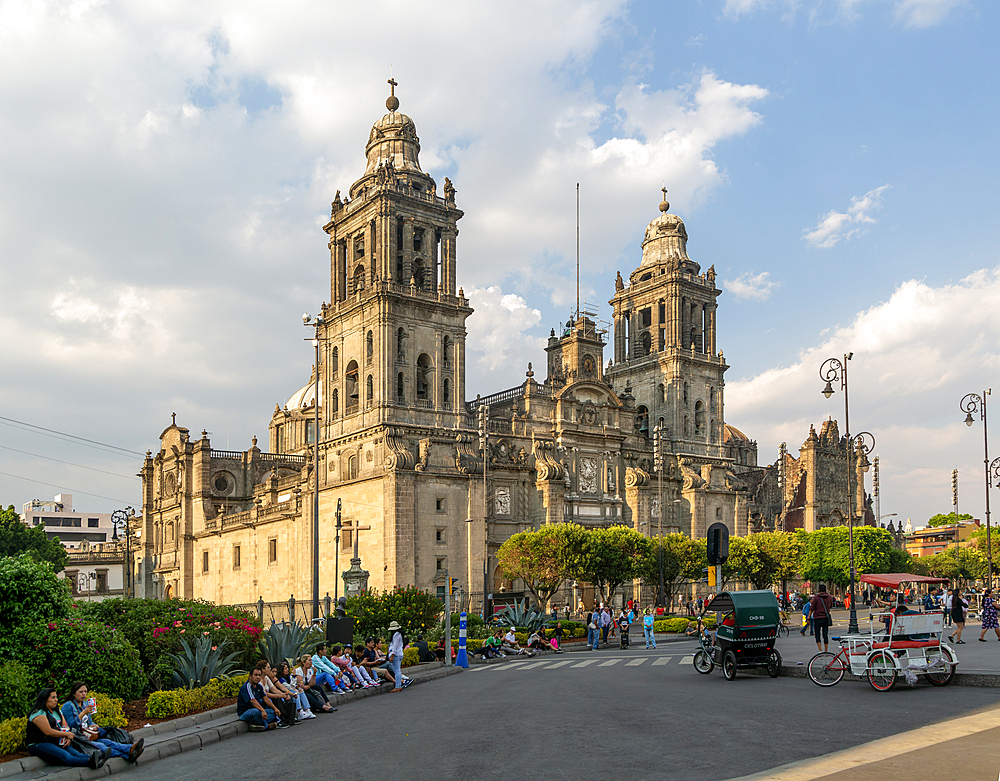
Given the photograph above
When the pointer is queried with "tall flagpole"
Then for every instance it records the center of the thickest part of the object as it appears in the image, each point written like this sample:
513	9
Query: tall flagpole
577	250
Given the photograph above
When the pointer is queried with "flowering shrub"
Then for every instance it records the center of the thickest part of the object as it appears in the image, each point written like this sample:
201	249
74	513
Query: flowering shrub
156	627
177	702
415	610
70	649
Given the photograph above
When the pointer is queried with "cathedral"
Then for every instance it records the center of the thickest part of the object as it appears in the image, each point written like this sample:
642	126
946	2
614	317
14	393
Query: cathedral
417	483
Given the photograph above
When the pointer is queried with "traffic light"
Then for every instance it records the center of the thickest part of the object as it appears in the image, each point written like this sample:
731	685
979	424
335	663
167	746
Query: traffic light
452	585
704	573
711	577
718	543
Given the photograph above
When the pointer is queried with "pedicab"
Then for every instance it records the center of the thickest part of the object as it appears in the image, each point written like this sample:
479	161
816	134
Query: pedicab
746	636
897	644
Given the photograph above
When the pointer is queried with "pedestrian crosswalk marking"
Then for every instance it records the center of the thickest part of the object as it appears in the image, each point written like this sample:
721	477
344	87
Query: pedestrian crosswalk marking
532	666
635	662
661	660
687	660
609	663
558	664
584	664
514	666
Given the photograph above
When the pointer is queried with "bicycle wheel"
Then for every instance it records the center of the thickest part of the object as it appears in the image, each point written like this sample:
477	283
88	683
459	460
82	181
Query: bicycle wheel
703	662
774	664
943	678
729	665
826	669
782	630
882	671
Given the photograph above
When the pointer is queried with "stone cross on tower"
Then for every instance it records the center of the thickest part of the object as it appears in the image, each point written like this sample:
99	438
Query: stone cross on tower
392	102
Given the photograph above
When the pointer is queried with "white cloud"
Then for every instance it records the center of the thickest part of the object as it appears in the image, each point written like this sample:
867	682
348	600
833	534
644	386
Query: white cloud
755	287
835	226
926	13
910	13
499	341
915	356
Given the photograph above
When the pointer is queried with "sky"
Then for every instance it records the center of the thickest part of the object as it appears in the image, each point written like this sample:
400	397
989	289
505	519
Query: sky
166	170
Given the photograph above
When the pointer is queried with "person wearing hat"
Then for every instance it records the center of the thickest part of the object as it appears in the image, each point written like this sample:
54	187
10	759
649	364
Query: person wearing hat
396	656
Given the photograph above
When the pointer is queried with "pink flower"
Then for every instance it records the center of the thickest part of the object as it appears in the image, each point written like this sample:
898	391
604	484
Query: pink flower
183	631
204	633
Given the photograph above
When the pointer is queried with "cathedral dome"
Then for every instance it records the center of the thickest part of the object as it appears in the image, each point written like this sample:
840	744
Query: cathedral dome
665	241
393	141
304	397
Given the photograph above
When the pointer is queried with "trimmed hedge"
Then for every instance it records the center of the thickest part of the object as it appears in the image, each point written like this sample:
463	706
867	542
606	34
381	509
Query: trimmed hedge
411	656
179	702
12	734
110	711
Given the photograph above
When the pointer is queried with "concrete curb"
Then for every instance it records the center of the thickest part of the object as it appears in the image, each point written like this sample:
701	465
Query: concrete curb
960	679
194	740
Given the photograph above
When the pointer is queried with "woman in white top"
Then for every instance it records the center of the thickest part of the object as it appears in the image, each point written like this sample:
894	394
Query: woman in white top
288	680
305	679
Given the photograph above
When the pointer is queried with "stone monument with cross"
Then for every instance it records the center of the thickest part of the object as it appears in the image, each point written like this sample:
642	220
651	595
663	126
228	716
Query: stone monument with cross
355	578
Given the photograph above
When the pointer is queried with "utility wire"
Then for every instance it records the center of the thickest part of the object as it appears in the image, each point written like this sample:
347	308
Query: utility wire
63	435
69	463
63	488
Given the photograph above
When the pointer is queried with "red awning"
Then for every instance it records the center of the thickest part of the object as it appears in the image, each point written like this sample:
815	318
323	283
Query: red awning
893	579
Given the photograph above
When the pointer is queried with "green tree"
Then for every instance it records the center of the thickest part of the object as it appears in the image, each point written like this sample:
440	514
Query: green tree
963	564
16	538
607	557
943	519
30	594
683	561
826	553
538	558
765	558
901	561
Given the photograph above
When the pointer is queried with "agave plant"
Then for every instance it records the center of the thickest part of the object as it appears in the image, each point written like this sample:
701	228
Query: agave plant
516	615
285	641
194	667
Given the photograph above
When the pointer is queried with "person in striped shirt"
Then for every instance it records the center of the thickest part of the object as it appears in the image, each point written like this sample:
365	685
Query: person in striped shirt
254	707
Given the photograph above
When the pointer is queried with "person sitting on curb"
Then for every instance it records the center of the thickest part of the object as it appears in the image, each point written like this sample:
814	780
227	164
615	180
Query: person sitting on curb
305	679
491	646
328	673
691	630
254	707
424	653
285	678
373	664
356	657
537	641
50	739
77	713
511	646
278	694
343	660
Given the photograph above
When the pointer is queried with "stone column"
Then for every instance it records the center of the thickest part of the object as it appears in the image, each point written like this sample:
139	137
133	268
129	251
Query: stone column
334	272
448	239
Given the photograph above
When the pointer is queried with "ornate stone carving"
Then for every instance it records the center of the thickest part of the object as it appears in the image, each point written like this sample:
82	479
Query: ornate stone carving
425	452
399	457
635	477
502	501
546	466
690	477
467	460
588	475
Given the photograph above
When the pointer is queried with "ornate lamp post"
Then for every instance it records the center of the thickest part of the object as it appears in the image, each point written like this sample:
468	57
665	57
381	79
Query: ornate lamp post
317	323
835	370
120	520
973	402
658	436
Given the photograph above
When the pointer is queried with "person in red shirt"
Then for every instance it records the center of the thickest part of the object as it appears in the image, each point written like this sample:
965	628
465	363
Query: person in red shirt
820	607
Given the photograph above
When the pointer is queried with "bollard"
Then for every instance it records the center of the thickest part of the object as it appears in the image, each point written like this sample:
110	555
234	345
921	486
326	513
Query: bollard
462	659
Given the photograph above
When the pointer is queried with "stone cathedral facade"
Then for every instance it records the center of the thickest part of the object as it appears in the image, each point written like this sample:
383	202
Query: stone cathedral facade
398	445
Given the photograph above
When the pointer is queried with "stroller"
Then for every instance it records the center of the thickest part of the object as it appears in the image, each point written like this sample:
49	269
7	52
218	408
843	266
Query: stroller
623	631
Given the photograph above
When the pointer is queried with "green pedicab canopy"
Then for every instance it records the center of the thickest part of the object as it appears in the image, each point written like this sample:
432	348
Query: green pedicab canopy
751	607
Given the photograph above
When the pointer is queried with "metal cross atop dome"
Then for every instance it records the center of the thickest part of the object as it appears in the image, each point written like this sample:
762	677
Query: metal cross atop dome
392	102
664	204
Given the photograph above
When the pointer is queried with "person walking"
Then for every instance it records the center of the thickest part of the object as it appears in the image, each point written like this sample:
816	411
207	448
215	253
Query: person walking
989	616
647	628
593	629
605	625
395	657
958	606
806	620
820	609
946	605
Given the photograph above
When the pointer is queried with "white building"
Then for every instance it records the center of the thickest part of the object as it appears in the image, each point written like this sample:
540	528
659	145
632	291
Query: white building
96	562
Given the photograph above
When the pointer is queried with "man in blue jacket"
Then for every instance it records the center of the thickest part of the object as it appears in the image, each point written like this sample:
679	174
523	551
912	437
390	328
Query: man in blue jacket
806	607
253	705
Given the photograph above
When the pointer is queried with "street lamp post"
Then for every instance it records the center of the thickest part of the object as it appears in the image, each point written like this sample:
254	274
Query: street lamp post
120	519
484	439
973	402
317	323
835	370
658	435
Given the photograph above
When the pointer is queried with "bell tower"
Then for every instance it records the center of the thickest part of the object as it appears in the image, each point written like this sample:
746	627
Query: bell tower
395	326
665	345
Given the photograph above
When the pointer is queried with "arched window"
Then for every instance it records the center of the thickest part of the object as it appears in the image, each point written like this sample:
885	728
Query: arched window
423	375
335	361
369	346
699	418
401	346
663	393
335	403
351	389
400	394
642	420
358	280
446	352
446	392
369	391
662	425
711	400
352	467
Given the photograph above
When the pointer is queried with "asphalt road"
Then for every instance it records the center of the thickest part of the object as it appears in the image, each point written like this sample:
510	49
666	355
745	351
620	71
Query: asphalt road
646	715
